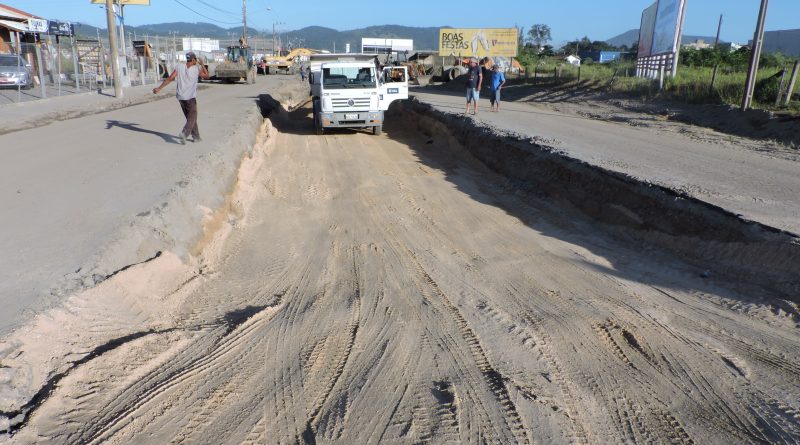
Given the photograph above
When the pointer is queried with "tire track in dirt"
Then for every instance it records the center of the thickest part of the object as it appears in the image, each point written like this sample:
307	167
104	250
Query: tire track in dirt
380	292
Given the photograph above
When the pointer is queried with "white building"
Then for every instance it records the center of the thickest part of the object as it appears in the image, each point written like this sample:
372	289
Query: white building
203	44
573	60
383	46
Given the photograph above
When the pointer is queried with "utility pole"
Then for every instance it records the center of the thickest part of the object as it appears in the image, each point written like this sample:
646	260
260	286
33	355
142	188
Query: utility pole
755	55
716	43
112	42
719	28
122	28
273	39
244	22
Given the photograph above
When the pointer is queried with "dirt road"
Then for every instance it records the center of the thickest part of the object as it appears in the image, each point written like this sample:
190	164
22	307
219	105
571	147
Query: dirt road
391	289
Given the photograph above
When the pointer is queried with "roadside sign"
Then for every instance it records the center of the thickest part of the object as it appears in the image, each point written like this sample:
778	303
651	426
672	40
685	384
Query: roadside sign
478	42
37	25
646	30
60	28
668	21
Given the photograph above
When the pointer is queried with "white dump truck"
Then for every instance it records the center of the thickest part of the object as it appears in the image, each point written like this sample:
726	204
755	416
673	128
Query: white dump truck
349	91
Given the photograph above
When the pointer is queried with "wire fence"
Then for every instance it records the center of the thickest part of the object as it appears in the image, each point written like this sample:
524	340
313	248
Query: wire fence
62	66
777	87
58	66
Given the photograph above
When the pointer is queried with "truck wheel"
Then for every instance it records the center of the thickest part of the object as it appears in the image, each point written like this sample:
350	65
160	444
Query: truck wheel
318	128
377	130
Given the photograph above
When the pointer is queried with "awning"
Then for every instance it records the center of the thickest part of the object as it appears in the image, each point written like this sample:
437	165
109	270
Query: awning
7	11
14	26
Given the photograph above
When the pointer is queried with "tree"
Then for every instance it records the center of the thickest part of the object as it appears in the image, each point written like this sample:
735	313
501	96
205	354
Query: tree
520	36
539	34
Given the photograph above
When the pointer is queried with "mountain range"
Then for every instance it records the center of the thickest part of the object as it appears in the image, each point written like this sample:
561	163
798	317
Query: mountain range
317	37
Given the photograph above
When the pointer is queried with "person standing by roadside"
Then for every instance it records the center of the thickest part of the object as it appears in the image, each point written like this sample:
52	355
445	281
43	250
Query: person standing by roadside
187	75
498	80
474	84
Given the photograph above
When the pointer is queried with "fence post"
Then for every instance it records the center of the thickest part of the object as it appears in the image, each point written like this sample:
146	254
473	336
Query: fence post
792	80
38	47
713	78
75	62
781	87
579	73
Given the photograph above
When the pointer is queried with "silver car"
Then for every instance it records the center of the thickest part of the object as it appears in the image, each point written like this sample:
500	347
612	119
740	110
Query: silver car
15	71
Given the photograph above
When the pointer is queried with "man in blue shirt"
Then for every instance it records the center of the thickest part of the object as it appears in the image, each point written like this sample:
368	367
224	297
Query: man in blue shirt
498	80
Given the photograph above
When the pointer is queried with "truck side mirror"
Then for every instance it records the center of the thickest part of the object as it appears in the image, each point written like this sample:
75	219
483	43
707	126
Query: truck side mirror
311	78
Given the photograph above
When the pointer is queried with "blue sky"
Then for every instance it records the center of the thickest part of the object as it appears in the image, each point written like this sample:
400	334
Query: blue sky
569	19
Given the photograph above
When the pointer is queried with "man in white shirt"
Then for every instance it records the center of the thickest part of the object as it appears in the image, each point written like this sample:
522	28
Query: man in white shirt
187	75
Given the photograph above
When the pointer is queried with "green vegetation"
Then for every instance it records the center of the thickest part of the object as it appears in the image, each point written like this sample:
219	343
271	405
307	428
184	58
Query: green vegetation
691	85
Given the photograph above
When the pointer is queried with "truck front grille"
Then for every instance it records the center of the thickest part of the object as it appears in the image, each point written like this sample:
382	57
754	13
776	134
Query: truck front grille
359	103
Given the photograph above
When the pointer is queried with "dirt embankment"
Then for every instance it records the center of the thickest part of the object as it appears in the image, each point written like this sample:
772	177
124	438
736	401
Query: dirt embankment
718	241
127	290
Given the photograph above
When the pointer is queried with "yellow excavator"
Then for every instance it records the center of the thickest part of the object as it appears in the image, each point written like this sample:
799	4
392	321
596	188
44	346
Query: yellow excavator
286	64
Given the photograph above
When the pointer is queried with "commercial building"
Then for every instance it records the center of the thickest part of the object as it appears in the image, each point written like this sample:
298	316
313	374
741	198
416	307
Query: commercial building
371	45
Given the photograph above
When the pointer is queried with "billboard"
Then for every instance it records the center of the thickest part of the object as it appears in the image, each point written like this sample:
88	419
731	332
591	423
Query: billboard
60	28
37	25
478	42
665	31
646	30
123	2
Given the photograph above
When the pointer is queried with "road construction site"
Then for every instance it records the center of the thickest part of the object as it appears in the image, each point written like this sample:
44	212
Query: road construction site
525	276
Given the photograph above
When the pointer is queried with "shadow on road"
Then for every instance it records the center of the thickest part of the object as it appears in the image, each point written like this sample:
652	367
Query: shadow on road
131	126
585	206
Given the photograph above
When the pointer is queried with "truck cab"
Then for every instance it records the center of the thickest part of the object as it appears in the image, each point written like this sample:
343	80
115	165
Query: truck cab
349	91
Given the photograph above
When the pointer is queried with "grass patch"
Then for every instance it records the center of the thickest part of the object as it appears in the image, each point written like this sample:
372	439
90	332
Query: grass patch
691	85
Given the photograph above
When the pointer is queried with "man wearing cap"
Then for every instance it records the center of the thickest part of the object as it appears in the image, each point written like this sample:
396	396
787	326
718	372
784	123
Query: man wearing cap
474	83
187	75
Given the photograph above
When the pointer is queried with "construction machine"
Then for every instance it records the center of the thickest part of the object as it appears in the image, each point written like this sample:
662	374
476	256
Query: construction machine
286	64
238	65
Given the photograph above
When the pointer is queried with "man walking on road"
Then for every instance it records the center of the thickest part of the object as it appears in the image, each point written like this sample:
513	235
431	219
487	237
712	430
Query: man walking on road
474	84
187	75
498	80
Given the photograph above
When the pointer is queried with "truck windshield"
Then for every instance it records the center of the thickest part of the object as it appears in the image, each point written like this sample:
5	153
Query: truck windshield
348	77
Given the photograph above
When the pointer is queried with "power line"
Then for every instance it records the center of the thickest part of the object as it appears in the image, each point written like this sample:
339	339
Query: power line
217	9
205	16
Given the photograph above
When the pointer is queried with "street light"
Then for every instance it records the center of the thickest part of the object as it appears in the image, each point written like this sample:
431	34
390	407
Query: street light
275	53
